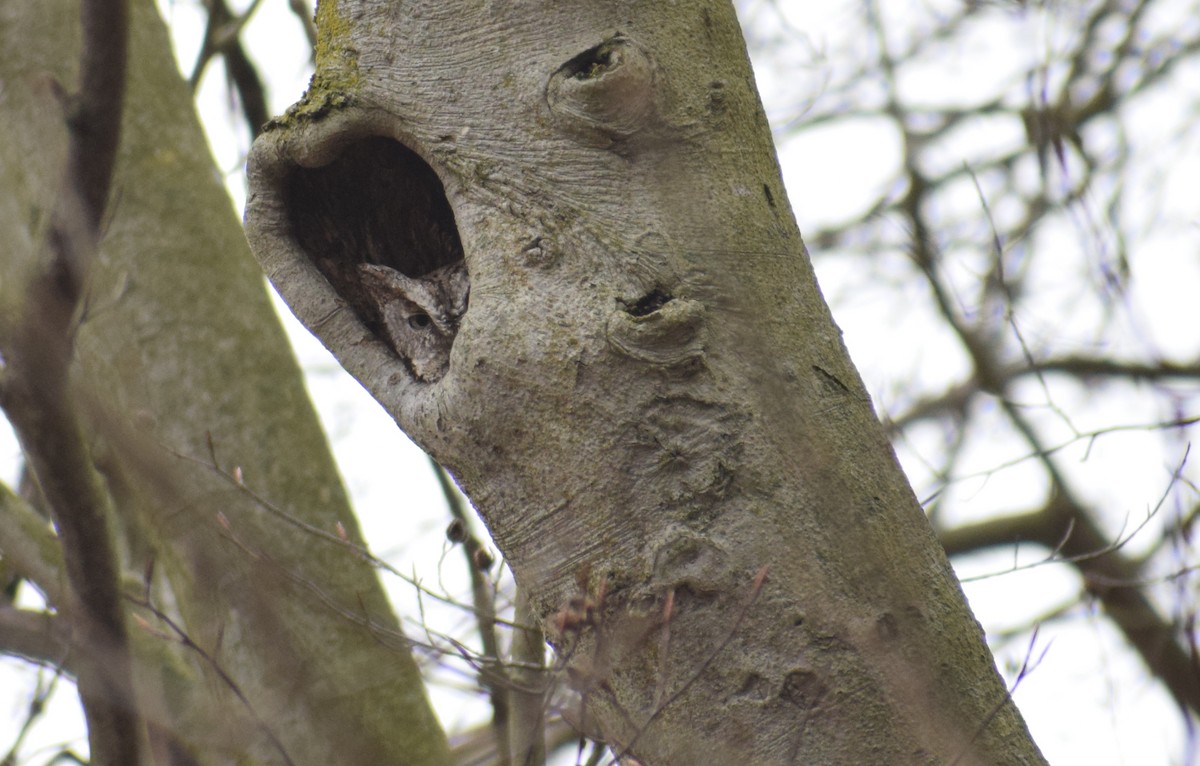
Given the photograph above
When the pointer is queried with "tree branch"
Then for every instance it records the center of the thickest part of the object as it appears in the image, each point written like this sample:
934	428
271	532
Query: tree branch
483	597
96	122
223	36
37	397
1065	528
30	546
39	637
527	695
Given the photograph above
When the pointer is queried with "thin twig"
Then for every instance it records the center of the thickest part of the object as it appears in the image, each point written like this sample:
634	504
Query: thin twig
483	597
184	639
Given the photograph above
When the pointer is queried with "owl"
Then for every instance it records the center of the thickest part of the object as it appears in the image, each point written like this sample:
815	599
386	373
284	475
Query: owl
420	315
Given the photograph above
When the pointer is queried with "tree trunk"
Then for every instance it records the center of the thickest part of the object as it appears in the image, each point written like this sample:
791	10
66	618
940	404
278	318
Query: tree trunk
647	399
281	647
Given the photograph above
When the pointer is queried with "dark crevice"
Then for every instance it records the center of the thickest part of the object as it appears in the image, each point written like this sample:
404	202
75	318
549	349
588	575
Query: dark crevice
594	61
379	203
377	224
649	303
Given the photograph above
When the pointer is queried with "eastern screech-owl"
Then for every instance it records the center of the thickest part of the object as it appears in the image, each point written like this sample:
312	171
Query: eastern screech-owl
419	314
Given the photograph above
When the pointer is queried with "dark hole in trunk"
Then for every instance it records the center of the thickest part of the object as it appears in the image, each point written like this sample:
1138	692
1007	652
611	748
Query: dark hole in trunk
377	225
377	203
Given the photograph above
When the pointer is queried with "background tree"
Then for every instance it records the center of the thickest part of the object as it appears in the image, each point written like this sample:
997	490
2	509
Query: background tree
1030	225
158	405
946	426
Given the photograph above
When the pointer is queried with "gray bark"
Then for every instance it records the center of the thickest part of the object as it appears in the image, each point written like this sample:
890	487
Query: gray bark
647	399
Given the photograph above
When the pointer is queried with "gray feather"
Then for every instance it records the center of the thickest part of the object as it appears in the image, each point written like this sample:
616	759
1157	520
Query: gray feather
420	315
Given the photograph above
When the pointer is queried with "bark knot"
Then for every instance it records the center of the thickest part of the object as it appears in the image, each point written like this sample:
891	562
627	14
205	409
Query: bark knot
658	328
608	91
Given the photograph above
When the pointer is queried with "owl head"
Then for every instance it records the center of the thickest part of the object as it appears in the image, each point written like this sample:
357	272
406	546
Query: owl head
419	314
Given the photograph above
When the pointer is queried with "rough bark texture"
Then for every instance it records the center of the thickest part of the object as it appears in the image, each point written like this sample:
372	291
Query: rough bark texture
226	503
647	399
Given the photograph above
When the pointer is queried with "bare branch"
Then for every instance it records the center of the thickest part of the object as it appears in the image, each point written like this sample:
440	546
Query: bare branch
527	696
181	635
38	401
96	122
39	637
483	597
222	37
30	546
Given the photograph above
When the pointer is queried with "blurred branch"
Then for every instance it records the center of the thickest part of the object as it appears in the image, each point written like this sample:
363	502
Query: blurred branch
38	402
483	597
477	747
1085	545
37	706
39	637
178	634
1065	528
999	532
30	546
95	120
953	402
222	36
527	695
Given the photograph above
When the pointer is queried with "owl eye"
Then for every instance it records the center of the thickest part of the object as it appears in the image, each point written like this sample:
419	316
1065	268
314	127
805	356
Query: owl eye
419	321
